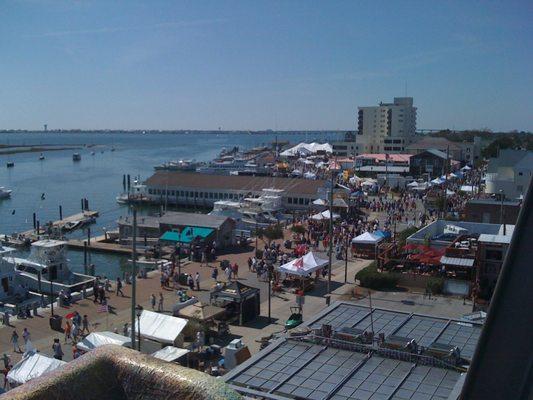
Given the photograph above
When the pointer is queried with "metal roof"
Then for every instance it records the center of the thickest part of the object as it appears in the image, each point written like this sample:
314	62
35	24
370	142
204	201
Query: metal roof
486	238
460	262
290	368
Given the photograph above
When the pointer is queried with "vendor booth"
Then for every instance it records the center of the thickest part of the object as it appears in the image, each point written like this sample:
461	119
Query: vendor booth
299	271
366	244
97	339
324	215
162	328
171	354
240	301
32	365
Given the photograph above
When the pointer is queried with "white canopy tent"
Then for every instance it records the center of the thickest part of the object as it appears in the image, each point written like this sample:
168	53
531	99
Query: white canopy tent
449	192
320	202
32	366
468	188
307	148
97	339
413	184
466	168
160	327
324	215
303	266
309	175
367	238
170	353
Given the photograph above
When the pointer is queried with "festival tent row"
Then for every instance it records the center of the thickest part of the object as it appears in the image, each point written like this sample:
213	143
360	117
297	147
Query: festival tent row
97	339
307	149
366	243
303	266
32	365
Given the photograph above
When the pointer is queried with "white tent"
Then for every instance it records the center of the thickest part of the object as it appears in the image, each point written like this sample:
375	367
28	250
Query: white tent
320	202
466	168
160	327
412	184
309	175
307	148
97	339
170	353
303	266
449	192
324	215
367	238
32	366
354	179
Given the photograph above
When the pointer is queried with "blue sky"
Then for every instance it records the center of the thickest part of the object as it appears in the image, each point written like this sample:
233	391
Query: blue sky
263	64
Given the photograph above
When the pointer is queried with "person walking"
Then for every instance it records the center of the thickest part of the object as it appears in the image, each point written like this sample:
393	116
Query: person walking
58	351
227	271
152	301
15	341
26	335
197	281
119	287
236	271
7	360
68	331
160	303
214	274
190	282
85	325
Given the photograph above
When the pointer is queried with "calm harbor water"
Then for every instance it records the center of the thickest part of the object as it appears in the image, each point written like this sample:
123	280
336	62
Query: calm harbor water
98	177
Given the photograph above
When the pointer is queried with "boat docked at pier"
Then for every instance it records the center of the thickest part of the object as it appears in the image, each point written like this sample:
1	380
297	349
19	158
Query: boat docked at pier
252	212
12	290
178	165
136	194
5	193
47	268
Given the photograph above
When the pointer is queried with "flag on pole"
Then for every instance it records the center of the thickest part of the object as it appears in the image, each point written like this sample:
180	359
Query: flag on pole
103	308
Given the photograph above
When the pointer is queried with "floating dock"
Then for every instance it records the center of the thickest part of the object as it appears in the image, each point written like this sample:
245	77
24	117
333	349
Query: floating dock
101	244
23	239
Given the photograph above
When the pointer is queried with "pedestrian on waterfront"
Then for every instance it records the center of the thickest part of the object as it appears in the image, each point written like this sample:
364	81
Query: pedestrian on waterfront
95	291
15	341
152	301
160	304
85	325
125	329
197	281
26	335
7	360
58	351
77	318
75	352
250	264
68	331
75	333
214	274
236	271
227	271
107	284
119	287
102	294
190	281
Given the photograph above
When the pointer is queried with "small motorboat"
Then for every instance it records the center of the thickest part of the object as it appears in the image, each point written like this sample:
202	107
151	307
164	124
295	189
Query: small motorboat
76	157
41	157
92	153
72	225
5	193
10	164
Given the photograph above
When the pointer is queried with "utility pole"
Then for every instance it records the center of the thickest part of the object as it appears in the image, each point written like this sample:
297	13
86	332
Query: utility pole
330	233
346	259
133	276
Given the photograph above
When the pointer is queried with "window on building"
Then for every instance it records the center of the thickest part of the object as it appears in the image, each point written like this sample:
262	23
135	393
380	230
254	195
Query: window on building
301	201
520	173
289	200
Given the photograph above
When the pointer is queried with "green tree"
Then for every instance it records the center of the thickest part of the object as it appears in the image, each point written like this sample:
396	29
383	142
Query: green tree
271	232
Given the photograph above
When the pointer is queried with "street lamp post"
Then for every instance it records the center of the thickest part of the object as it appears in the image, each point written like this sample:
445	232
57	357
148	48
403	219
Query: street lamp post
138	312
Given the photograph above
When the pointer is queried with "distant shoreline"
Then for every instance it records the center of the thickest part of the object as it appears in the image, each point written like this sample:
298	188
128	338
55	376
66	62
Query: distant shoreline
179	132
14	149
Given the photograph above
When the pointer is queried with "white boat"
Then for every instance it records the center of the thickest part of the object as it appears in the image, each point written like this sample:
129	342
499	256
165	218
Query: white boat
10	288
137	194
41	157
76	157
47	268
178	165
5	193
252	211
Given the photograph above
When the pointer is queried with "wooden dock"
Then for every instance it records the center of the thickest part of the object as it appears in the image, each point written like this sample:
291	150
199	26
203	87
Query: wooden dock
100	244
25	238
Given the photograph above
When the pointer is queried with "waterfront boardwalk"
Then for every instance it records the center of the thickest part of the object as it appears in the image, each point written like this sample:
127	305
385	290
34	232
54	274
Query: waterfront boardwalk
42	336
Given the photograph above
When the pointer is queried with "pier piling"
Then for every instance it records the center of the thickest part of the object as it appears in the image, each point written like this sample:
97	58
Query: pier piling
60	212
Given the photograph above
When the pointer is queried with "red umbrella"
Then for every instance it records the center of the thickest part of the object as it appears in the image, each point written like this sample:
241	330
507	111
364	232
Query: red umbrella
70	315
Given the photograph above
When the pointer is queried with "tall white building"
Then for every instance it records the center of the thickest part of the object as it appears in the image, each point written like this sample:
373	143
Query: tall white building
387	128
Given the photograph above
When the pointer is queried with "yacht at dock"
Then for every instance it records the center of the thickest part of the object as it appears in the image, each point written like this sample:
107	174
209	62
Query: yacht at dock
47	267
5	193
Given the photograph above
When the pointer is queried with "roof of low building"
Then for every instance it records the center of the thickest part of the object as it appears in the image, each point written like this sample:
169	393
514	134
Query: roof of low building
435	142
194	180
457	261
192	220
501	239
187	235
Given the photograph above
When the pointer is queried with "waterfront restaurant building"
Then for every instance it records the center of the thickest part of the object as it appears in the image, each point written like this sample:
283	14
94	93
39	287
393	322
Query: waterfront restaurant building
202	190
